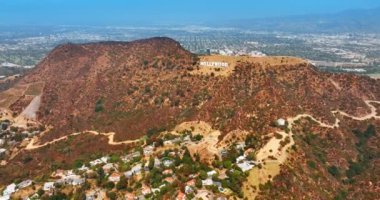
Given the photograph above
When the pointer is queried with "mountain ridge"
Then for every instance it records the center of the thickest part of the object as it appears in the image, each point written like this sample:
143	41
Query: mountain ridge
143	89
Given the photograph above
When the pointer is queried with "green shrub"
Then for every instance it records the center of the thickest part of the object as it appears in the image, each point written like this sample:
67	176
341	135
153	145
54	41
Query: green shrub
333	170
311	164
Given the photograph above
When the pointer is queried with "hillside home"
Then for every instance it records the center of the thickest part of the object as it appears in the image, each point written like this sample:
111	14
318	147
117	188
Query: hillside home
167	163
10	189
180	196
129	196
145	190
148	150
109	167
169	179
48	186
281	122
115	177
24	184
207	182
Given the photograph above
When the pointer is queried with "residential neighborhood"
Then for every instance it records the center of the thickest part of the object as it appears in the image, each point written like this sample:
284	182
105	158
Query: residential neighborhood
159	169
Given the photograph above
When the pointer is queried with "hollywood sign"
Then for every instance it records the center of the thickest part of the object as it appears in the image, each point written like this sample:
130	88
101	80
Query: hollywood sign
214	64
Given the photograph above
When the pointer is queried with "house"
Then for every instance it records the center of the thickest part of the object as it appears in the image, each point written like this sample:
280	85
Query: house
167	172
10	189
211	173
83	168
187	138
157	162
191	182
180	196
223	152
281	122
99	161
48	186
129	196
2	151
167	163
109	167
5	197
77	181
96	194
148	150
2	142
169	179
125	158
176	140
135	154
95	162
207	182
245	165
24	184
188	189
59	173
145	190
240	145
168	143
115	177
135	170
71	179
240	159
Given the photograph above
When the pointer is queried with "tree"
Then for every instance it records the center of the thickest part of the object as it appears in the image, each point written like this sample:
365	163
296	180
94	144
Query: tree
198	183
77	164
122	184
101	174
151	163
110	185
111	195
202	175
227	164
333	170
99	106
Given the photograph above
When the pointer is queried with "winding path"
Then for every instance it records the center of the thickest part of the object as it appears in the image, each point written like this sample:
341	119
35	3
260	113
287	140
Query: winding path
272	155
111	141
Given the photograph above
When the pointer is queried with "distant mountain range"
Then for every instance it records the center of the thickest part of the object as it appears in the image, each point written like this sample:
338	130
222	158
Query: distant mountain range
364	20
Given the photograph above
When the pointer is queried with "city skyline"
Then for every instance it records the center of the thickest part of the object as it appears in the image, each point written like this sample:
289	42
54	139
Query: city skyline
165	12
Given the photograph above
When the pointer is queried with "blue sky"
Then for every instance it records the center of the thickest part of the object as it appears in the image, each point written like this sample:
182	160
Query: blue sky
124	12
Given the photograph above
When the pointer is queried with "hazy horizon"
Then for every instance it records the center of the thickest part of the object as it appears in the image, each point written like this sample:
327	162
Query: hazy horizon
165	12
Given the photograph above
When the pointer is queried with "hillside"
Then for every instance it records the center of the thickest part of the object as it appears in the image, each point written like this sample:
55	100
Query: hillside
119	92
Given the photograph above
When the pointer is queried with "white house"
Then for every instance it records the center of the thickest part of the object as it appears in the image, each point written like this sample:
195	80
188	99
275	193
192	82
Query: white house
73	180
281	122
5	197
188	189
10	189
99	161
83	168
167	163
109	166
24	184
211	173
2	151
148	150
48	186
246	165
240	145
207	182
